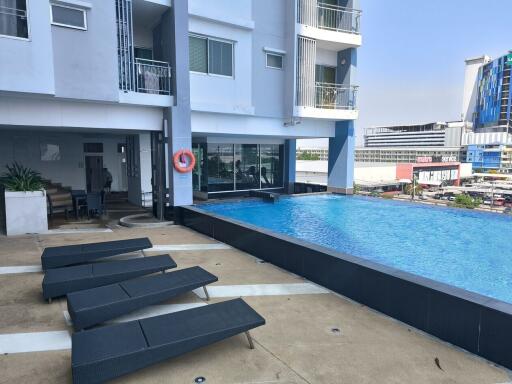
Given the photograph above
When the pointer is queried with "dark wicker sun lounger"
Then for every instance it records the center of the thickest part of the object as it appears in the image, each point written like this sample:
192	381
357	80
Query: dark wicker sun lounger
96	305
105	353
55	257
61	281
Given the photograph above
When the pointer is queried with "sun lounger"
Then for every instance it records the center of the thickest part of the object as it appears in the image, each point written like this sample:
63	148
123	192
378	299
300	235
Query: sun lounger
105	353
61	281
55	257
96	305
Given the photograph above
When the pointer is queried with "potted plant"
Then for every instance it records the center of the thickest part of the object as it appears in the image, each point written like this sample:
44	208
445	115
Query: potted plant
24	201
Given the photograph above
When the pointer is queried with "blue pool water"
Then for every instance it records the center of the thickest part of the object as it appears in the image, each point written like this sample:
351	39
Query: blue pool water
464	248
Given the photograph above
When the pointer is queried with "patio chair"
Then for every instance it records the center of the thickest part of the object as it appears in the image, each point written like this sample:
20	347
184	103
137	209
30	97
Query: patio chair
94	204
96	305
60	201
54	257
61	281
101	354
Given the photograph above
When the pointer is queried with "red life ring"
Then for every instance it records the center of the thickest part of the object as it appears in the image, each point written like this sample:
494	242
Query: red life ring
179	159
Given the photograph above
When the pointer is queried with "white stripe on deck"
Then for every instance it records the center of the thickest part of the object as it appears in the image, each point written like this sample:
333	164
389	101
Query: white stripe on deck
34	342
261	290
20	269
77	230
187	247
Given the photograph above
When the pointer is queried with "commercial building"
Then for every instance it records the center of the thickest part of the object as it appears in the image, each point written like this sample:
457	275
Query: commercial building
405	143
125	84
427	171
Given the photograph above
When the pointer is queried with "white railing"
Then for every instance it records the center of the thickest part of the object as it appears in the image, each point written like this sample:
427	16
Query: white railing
331	17
152	76
335	96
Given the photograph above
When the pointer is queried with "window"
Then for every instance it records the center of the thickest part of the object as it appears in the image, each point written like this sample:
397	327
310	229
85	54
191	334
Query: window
325	74
143	53
13	18
93	147
71	17
274	61
210	56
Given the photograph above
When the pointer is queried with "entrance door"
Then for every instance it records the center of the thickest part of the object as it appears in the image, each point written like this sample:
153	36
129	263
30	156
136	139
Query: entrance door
94	173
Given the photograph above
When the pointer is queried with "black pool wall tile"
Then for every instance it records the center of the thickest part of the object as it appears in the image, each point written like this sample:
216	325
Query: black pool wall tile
455	320
471	321
496	336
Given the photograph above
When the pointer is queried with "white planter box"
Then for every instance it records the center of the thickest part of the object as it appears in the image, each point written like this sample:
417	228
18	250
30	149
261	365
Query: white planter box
25	212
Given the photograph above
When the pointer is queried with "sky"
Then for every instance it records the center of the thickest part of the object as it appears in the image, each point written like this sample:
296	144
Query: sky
411	63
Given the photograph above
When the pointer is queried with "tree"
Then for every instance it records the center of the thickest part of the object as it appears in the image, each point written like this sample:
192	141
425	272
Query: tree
418	189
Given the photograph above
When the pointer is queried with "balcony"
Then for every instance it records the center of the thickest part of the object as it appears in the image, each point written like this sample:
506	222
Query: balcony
144	70
339	27
152	76
327	101
335	96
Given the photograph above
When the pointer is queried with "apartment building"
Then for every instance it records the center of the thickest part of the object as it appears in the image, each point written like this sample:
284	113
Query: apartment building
125	84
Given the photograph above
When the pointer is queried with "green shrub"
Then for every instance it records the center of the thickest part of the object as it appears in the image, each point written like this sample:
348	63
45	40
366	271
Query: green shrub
466	201
21	179
308	156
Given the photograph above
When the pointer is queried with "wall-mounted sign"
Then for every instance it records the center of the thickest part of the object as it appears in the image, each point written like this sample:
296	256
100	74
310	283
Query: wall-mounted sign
424	159
438	176
509	59
448	159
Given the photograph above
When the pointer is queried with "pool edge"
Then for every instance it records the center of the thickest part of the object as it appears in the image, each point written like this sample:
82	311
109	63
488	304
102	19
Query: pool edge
476	323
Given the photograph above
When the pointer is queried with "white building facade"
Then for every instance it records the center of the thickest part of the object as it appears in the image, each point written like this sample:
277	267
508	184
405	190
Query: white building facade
125	84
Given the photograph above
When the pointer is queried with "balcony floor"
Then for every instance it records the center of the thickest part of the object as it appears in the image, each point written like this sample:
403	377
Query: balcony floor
297	345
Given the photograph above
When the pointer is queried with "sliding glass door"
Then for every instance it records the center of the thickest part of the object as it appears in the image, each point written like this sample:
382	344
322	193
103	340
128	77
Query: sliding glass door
220	167
240	167
247	170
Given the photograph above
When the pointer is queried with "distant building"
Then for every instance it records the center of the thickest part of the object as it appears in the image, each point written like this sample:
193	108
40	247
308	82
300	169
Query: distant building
487	108
494	96
406	143
321	153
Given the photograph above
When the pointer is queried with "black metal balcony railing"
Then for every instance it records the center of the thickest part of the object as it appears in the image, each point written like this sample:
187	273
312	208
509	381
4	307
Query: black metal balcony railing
330	17
335	96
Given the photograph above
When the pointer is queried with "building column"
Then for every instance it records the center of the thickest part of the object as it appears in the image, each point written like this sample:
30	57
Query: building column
290	149
341	159
179	131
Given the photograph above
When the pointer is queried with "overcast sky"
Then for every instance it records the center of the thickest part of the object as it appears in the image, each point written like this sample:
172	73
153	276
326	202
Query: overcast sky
411	64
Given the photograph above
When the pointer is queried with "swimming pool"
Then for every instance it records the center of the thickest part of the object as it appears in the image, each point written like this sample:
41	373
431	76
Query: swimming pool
467	249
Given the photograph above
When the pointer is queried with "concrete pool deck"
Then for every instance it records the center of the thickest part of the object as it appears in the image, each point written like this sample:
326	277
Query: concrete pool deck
311	335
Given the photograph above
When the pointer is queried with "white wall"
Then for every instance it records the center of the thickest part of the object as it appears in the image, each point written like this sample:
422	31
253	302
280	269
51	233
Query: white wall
216	123
24	147
326	57
39	112
470	86
466	169
374	172
27	65
481	138
220	93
